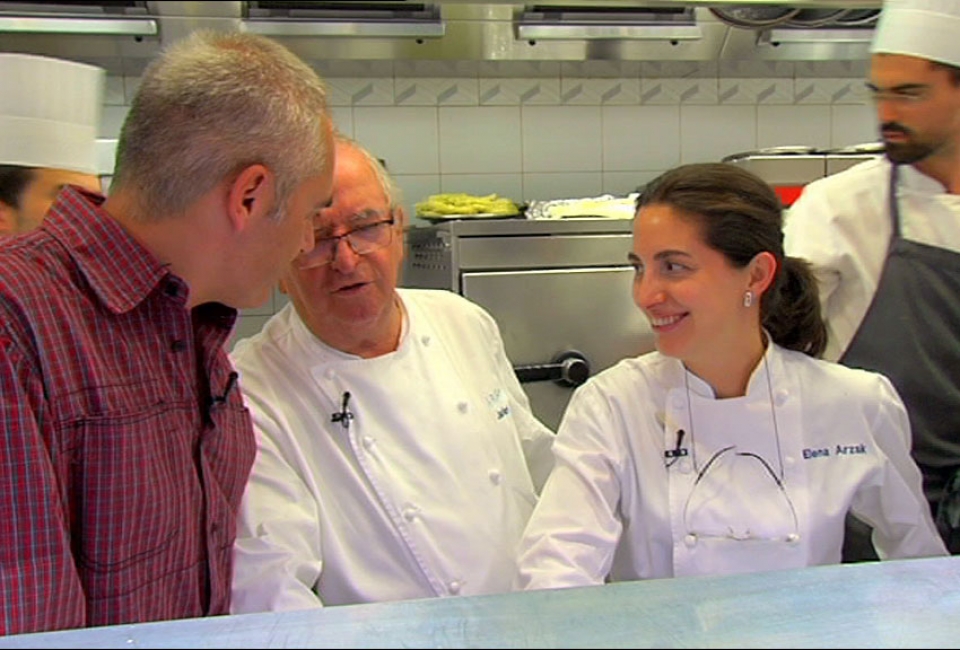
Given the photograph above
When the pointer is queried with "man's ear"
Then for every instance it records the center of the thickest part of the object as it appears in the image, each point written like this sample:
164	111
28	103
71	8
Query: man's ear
251	195
8	220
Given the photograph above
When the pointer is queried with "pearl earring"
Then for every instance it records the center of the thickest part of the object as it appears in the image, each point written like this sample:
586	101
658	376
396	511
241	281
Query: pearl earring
748	298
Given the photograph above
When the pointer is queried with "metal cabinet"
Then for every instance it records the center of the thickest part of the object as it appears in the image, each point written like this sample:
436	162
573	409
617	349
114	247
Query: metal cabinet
560	291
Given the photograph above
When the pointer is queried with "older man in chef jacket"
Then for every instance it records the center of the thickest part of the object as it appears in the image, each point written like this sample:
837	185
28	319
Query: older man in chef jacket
49	115
884	237
397	455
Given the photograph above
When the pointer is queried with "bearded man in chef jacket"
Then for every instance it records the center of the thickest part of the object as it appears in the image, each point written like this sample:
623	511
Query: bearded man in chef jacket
397	454
49	115
884	240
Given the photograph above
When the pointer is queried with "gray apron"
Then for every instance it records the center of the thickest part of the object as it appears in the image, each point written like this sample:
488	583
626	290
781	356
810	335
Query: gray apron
911	334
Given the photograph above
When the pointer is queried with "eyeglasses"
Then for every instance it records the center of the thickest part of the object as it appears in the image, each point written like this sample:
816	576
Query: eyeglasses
909	94
731	498
362	240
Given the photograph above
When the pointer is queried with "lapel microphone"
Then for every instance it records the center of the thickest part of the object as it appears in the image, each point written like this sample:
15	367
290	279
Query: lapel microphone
222	398
344	416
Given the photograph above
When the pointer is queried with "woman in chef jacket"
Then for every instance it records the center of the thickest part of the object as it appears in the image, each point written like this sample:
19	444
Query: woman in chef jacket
732	448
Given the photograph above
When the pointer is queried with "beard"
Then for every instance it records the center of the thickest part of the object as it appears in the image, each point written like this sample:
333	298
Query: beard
908	152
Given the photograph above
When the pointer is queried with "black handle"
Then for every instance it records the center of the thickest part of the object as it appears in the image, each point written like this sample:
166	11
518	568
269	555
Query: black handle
568	369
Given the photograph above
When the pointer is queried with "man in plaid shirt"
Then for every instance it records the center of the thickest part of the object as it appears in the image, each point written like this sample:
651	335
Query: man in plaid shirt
124	445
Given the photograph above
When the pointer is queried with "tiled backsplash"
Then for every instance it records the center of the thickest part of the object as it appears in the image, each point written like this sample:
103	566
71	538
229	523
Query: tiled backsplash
547	130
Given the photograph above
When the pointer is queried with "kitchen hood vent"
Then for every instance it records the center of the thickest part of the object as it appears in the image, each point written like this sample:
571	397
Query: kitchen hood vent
377	19
790	33
77	17
538	22
824	25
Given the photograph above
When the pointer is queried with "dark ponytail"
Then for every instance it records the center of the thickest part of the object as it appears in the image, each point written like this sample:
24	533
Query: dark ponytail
741	216
790	309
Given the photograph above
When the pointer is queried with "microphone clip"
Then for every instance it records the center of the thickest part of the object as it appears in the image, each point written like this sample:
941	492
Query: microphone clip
344	416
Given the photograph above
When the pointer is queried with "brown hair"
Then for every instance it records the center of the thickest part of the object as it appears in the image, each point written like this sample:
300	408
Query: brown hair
740	216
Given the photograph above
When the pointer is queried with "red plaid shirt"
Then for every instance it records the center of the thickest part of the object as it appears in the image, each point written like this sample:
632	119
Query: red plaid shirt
120	476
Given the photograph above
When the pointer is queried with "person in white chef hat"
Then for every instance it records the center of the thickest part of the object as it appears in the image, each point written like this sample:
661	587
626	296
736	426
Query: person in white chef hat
884	240
49	115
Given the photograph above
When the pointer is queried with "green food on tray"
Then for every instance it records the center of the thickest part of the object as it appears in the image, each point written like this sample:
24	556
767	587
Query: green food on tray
438	205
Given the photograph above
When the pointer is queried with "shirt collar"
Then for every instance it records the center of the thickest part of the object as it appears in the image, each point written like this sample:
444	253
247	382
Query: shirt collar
119	270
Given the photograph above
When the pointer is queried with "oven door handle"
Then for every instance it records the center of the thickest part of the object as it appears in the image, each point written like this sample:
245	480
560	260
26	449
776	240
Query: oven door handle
569	369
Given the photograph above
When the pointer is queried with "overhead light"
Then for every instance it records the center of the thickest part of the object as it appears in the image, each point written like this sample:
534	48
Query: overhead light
383	19
343	28
54	25
776	36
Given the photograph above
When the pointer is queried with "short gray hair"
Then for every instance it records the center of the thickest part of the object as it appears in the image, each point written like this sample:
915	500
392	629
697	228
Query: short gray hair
211	105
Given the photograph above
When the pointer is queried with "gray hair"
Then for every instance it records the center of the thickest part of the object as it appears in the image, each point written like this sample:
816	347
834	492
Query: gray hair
211	105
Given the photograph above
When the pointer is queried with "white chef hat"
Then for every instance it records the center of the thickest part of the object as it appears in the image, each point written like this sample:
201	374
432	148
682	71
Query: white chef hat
928	29
49	112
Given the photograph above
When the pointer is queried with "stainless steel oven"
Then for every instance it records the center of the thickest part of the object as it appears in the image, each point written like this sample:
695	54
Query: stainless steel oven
560	289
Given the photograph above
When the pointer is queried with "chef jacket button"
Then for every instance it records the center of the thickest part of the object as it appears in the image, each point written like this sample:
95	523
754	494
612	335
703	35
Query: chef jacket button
368	443
684	466
454	587
462	407
495	477
329	373
782	396
679	402
793	538
690	540
425	340
410	513
789	460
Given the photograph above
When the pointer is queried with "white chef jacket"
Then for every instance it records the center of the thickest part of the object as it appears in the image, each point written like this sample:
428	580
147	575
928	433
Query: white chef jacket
841	224
613	510
425	493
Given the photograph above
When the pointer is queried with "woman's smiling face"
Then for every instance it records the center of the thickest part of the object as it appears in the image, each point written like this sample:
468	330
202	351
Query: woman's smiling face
691	294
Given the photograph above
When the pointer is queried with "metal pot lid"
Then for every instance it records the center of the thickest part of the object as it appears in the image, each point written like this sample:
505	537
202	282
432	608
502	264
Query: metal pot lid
791	150
866	147
754	16
858	18
817	17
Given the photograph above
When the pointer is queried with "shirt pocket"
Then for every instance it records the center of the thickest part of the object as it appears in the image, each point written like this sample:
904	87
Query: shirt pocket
134	497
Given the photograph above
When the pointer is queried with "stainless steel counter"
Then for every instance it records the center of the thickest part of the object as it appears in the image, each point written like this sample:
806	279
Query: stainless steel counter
897	604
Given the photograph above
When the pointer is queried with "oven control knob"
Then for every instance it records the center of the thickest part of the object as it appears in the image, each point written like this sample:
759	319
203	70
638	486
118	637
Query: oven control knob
574	369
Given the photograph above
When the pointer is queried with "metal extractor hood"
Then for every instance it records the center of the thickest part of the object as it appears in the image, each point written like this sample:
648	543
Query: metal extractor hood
77	17
590	21
398	18
131	32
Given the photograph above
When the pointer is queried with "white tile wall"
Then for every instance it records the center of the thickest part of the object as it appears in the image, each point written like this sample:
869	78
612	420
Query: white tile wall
805	125
480	140
543	129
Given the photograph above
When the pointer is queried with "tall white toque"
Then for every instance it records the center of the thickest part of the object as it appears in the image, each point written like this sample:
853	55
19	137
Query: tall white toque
927	29
49	112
